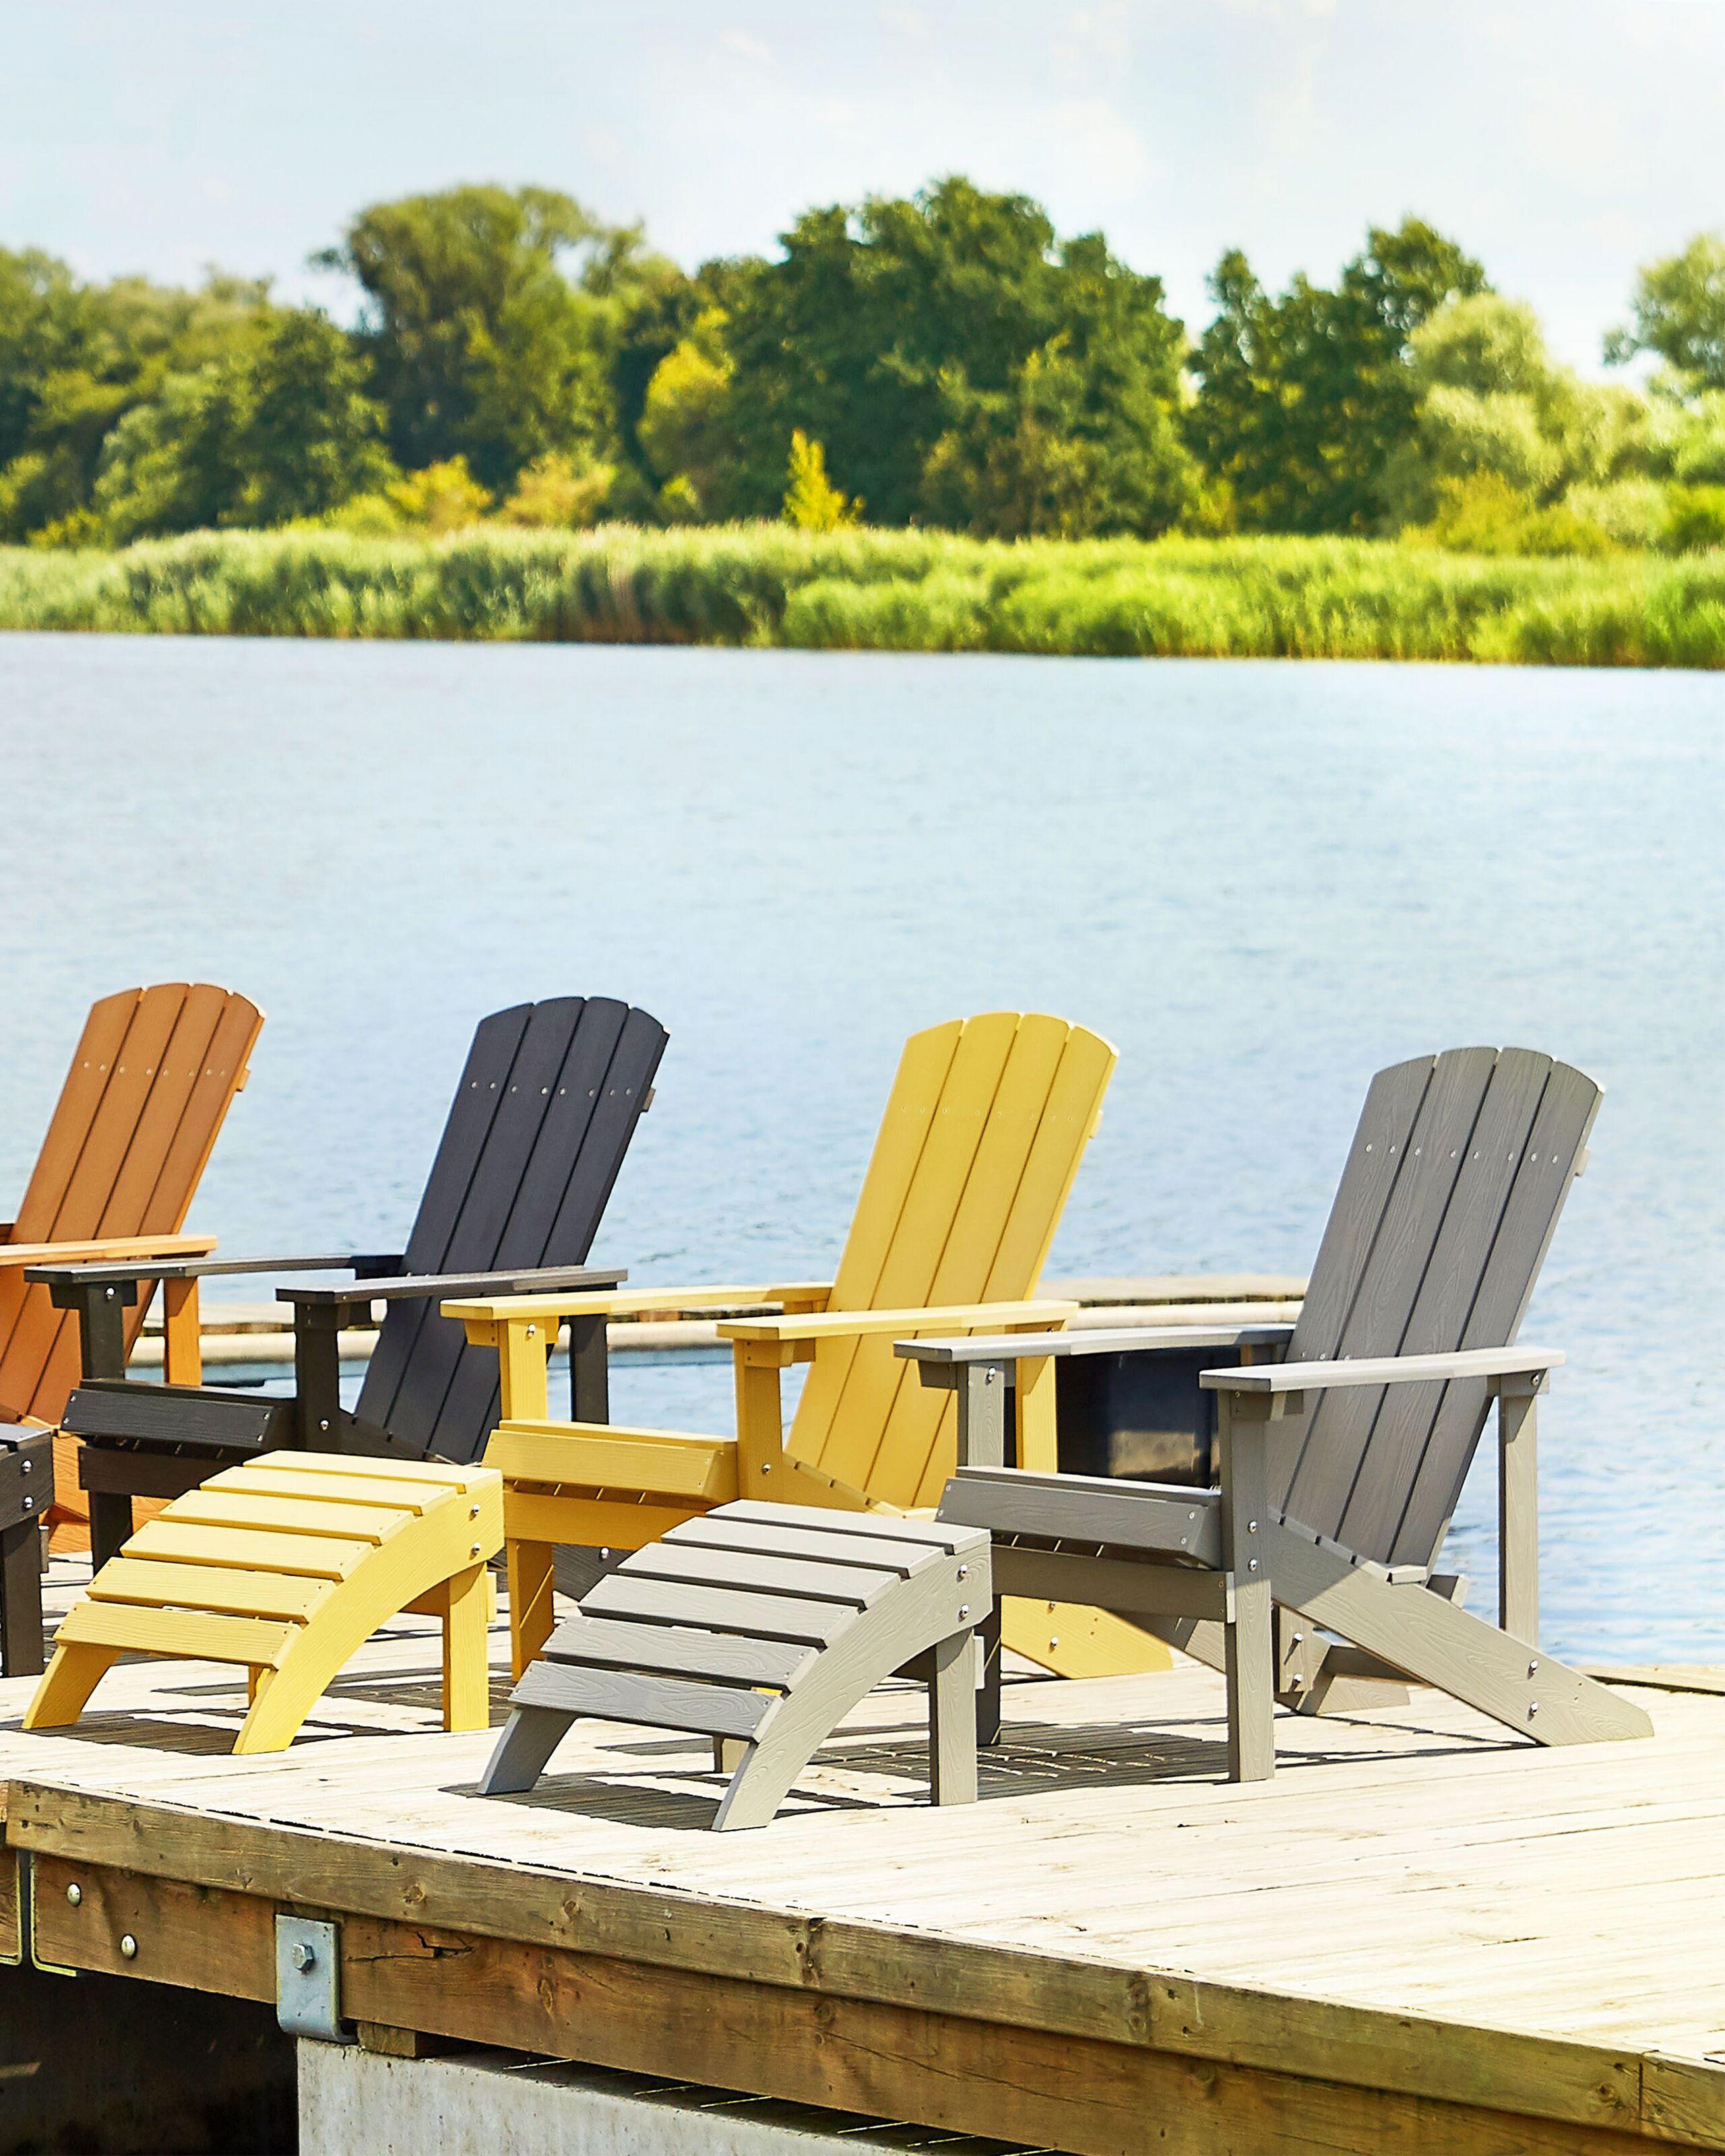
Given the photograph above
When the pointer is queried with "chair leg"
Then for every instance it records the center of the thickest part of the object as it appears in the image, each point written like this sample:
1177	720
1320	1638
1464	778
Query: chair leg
532	1611
951	1720
21	1599
530	1737
1250	1653
76	1669
1249	1639
988	1697
110	1525
467	1684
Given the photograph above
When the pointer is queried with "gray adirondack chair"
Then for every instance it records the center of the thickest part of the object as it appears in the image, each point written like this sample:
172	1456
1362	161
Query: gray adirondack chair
1343	1441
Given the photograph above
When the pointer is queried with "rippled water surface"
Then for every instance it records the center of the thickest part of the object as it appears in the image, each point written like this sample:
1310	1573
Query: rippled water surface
1264	881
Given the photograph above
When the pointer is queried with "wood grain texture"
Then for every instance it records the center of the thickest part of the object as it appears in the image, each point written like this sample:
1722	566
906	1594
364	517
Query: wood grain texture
1406	1905
173	1596
905	2060
1088	1508
762	1614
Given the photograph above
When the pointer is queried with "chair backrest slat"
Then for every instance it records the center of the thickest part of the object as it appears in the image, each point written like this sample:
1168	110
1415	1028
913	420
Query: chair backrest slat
590	1118
547	1104
1443	1215
1552	1157
1377	1320
151	1079
987	1123
1375	1160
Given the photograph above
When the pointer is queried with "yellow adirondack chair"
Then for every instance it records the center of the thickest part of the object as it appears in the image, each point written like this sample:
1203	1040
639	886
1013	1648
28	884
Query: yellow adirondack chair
987	1123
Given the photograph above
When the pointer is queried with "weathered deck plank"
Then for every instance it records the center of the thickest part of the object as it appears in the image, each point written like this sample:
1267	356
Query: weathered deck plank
1418	1929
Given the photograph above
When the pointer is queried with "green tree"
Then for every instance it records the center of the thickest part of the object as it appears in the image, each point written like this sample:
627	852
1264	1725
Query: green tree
308	437
906	327
1304	399
555	494
76	359
1493	401
686	431
812	503
48	330
1678	311
277	430
490	316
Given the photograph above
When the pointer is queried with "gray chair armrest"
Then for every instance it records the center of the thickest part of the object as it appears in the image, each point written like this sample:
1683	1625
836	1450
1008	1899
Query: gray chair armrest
937	1357
1284	1378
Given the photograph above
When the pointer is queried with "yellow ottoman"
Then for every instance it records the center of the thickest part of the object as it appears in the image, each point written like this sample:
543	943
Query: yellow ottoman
288	1565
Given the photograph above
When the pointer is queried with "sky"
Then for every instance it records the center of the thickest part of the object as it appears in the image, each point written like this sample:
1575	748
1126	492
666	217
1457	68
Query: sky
1563	141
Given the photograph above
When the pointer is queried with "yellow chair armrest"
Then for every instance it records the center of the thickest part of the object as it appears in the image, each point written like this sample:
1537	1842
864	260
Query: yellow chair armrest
111	1250
848	1324
630	1302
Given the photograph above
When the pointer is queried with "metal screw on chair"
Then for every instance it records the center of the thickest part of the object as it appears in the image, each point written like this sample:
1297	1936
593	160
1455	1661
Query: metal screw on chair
75	1894
128	1948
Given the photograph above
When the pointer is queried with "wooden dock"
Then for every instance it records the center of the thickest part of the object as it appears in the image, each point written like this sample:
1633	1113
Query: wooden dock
1418	1938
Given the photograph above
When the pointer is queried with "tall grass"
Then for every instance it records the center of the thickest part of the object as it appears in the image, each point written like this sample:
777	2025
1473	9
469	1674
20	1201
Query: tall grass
893	591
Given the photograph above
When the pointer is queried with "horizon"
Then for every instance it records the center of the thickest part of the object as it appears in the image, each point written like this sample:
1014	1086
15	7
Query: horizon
1563	148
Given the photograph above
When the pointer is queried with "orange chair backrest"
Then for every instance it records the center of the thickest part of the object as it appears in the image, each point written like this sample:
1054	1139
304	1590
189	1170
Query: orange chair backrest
152	1078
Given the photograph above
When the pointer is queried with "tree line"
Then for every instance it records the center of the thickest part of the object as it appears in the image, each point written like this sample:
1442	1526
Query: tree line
946	360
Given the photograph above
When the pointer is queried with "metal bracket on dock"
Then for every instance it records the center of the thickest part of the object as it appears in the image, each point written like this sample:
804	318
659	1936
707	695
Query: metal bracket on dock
308	1979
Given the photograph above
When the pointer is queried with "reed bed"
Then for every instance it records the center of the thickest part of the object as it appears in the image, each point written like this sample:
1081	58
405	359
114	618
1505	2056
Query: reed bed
765	584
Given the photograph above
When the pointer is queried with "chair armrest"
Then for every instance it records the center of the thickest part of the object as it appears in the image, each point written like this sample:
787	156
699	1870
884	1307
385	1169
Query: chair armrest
1283	1377
849	1324
1113	1340
103	1254
419	1288
629	1302
523	1330
66	1274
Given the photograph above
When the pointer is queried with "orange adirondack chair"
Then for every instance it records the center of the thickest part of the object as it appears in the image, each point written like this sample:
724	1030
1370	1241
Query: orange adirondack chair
150	1081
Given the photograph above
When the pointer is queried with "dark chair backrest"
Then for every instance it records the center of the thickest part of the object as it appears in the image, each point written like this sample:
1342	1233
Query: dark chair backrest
543	1116
1457	1175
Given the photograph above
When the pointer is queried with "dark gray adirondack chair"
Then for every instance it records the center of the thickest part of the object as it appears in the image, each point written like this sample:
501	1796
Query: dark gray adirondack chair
1343	1441
546	1106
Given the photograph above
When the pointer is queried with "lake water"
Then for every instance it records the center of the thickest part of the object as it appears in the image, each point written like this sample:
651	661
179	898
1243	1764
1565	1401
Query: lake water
1262	881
